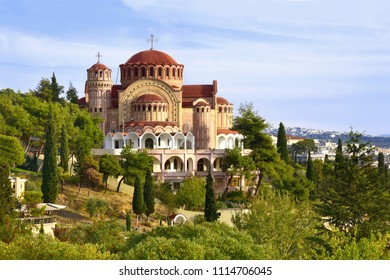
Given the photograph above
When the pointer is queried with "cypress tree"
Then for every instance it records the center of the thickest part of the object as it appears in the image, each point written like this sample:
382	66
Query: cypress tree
49	185
56	89
138	198
310	169
339	159
64	149
281	144
7	202
149	194
210	209
128	221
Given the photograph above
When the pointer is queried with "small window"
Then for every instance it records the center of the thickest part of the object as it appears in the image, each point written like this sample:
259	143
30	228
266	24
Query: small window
136	72
143	72
151	72
167	73
159	72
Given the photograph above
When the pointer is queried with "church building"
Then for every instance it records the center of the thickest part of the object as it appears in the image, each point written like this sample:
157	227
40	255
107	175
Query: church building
185	128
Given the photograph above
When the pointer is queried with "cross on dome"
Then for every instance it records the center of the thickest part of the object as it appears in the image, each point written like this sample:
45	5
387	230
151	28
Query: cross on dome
152	40
98	56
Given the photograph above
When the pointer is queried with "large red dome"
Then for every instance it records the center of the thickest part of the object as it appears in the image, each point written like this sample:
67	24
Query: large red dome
151	57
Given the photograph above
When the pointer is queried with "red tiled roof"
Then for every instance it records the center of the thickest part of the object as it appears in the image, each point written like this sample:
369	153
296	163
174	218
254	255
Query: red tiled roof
197	91
99	66
226	131
81	102
222	101
153	57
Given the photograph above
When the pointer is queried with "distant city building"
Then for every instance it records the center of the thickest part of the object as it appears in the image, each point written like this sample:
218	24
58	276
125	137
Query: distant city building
184	127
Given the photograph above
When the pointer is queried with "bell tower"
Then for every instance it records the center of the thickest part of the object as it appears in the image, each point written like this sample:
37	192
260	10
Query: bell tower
98	91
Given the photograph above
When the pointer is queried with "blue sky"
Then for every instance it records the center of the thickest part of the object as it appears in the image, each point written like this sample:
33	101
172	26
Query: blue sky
312	63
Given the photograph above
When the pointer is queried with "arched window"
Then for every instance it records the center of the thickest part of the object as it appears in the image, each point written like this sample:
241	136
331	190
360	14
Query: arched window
143	72
136	72
151	72
159	72
149	143
167	73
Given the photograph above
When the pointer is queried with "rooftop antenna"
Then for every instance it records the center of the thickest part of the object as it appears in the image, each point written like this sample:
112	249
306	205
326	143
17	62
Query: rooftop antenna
98	56
152	40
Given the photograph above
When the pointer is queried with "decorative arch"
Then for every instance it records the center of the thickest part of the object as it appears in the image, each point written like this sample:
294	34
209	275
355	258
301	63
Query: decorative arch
132	139
190	141
165	141
202	164
118	141
148	141
221	142
179	141
174	164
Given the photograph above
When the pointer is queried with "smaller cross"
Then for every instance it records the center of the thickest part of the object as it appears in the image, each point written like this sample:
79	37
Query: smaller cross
152	40
98	56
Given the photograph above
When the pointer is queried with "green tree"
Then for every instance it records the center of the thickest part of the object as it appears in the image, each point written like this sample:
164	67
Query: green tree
64	149
7	201
43	247
109	166
11	151
149	194
339	159
191	194
56	89
281	144
44	90
303	147
71	94
263	153
276	212
134	163
210	209
356	200
310	175
206	241
31	200
237	164
97	207
49	185
138	198
128	221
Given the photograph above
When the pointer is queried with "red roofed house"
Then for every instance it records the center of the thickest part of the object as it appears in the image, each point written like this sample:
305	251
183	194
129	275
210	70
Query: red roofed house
184	127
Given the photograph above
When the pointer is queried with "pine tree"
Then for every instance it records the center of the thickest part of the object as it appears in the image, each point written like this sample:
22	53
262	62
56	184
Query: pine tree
64	150
149	194
49	185
71	94
210	209
138	198
281	144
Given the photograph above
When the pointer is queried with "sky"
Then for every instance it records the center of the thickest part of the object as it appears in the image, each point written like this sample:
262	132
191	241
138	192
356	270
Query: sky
322	64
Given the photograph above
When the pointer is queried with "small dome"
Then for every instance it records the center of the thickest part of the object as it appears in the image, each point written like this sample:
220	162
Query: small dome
151	57
149	98
99	66
222	101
